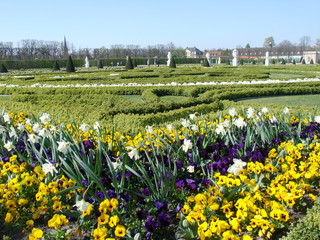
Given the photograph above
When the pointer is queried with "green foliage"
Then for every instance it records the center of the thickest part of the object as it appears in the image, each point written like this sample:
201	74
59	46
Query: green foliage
172	63
70	66
129	64
311	62
273	61
308	228
206	63
294	62
100	64
3	69
241	61
283	62
56	66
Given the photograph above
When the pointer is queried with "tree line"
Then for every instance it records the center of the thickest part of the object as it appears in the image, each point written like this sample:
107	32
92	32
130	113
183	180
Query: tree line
31	49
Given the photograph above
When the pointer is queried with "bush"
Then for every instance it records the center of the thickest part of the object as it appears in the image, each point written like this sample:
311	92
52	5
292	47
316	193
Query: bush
3	69
172	63
129	64
307	228
70	66
100	64
56	66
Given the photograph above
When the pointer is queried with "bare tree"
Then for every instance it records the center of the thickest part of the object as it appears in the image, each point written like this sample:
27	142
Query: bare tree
305	41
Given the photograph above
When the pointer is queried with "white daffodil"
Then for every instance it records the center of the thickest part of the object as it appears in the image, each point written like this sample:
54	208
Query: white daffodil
133	154
115	165
193	116
28	122
240	123
264	110
226	123
84	127
6	117
20	127
2	130
317	119
220	129
44	133
187	144
190	169
186	123
49	168
45	118
8	145
250	112
194	128
63	147
169	127
82	205
36	127
232	112
286	110
13	133
96	126
53	129
33	138
237	166
149	129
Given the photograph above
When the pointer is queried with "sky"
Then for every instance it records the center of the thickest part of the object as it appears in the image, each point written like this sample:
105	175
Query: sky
205	24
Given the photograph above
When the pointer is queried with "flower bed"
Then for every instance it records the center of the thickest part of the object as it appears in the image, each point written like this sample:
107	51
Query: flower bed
240	176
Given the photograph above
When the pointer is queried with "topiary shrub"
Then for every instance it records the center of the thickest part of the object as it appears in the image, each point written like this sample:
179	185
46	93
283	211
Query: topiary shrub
172	63
56	66
303	61
294	62
307	228
206	63
311	62
70	66
3	69
273	61
129	64
283	61
100	64
241	62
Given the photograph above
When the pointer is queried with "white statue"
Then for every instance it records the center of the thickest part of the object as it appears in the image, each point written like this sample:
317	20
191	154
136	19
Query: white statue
87	62
235	59
219	60
267	58
169	58
208	57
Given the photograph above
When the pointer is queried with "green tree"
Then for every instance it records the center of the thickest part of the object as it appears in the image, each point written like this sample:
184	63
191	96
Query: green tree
56	66
172	63
100	64
3	68
70	66
248	45
129	64
206	63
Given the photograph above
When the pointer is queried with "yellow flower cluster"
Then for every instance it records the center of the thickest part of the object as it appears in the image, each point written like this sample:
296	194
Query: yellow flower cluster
106	219
258	199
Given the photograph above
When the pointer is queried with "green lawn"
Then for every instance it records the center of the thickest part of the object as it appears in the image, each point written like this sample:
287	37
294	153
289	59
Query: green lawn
292	100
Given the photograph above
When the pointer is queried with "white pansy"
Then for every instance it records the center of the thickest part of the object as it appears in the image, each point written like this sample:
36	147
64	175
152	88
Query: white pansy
237	166
186	123
45	118
133	154
239	122
63	146
82	205
8	145
232	112
220	129
187	144
190	169
33	138
169	127
44	133
84	127
286	110
36	127
264	110
194	128
49	168
6	117
317	119
250	112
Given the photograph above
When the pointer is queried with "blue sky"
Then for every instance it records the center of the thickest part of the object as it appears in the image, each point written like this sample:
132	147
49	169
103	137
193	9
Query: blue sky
206	24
